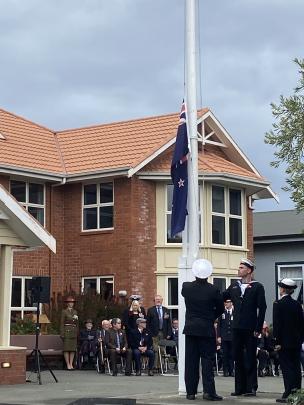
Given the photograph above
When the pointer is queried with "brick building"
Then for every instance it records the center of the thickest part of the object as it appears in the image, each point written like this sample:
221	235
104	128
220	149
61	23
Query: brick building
104	193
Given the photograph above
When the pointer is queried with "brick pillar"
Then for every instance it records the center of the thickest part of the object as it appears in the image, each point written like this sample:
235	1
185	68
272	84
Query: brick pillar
15	357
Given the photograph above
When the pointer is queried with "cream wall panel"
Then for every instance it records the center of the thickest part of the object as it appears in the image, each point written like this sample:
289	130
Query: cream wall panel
219	258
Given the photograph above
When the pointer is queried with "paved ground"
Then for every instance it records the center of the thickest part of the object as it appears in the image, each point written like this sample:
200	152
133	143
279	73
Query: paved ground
146	390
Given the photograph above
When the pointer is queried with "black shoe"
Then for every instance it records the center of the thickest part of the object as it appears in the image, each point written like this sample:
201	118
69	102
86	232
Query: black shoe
226	374
231	374
127	373
138	373
213	397
250	394
114	374
236	394
190	396
150	373
282	400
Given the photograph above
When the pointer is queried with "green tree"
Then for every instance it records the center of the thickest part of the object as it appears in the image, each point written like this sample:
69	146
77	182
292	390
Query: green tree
287	136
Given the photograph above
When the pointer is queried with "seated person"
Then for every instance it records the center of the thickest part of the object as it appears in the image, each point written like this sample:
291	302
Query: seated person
142	345
118	346
102	335
87	340
266	353
174	336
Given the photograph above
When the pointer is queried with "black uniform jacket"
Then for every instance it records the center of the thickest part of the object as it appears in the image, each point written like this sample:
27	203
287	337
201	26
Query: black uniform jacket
112	344
153	322
87	335
204	304
249	310
137	339
225	324
288	323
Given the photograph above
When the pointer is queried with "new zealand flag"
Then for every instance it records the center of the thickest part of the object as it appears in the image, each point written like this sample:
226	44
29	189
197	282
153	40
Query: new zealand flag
179	175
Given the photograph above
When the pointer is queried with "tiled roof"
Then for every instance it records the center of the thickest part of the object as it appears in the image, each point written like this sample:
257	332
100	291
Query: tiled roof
101	147
28	145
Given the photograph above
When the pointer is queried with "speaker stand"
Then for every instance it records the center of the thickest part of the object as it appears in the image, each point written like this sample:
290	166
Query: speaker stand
37	355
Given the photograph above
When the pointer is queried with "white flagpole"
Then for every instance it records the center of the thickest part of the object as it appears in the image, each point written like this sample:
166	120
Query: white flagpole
191	233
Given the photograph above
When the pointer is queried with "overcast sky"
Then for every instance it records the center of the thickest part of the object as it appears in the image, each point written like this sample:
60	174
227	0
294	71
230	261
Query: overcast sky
73	63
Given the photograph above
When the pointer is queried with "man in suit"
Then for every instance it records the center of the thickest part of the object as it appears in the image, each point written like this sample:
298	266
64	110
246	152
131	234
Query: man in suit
142	345
204	305
248	298
288	332
118	346
225	338
102	340
158	324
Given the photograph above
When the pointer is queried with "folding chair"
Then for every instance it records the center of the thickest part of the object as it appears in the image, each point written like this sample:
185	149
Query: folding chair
164	356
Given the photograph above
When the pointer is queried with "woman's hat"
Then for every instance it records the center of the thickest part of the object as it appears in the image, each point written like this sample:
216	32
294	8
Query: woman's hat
202	268
287	283
70	299
89	320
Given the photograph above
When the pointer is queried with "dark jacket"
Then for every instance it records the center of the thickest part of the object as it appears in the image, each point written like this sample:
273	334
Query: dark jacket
153	322
245	314
225	324
288	323
137	339
104	335
87	335
204	304
112	344
129	318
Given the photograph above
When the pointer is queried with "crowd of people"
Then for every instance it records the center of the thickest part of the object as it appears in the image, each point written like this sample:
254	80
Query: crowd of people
137	334
230	324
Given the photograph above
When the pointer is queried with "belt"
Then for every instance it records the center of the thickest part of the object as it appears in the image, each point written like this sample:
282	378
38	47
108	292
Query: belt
69	324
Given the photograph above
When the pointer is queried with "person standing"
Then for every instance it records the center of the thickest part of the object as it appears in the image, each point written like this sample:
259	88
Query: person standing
69	331
288	332
225	324
204	305
248	298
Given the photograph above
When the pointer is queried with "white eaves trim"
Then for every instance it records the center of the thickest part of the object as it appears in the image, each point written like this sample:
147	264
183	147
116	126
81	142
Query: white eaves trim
23	223
167	145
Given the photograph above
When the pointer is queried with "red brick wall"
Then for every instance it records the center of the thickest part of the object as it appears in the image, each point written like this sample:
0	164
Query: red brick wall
16	373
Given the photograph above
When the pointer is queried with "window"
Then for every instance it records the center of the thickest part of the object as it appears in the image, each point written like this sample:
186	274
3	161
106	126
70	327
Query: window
31	196
222	283
21	302
98	206
172	296
296	273
169	197
227	217
103	285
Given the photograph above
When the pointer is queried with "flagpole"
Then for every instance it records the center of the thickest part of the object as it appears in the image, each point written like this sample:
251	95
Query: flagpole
191	233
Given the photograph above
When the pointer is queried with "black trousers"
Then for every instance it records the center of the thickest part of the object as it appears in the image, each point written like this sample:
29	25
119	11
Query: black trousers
199	348
290	362
228	363
244	350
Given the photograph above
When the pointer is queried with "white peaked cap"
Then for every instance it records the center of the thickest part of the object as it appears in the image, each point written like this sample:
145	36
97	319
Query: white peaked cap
287	283
247	263
202	268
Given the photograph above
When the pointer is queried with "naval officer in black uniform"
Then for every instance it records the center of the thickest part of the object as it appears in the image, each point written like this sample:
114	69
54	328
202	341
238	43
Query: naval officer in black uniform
288	332
204	305
225	324
248	298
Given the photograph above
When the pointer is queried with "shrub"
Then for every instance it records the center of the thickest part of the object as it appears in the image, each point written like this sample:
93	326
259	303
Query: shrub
296	398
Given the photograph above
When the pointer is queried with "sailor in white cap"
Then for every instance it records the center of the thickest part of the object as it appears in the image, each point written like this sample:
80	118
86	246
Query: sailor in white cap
248	298
204	305
288	332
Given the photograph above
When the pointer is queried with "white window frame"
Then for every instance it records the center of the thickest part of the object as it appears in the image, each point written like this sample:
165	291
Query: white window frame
97	205
26	204
22	308
227	216
169	212
290	265
98	278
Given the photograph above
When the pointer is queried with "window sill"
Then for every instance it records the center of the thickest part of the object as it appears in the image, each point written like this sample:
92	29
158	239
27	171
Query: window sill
97	232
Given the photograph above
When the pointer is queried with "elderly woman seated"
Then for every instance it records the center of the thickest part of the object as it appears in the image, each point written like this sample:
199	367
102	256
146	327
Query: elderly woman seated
140	340
87	340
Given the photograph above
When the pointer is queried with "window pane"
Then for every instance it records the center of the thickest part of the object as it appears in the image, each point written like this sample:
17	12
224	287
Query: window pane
37	213
89	194
36	193
218	230
220	283
106	217
235	202
173	291
177	238
90	218
106	288
16	292
18	190
90	285
235	231
28	292
106	193
218	199
169	196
